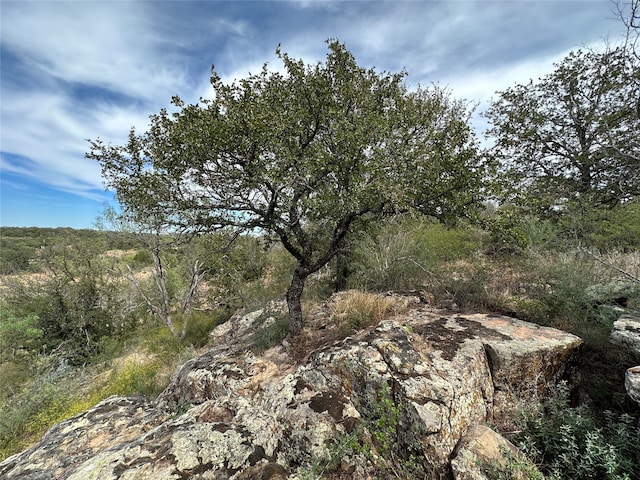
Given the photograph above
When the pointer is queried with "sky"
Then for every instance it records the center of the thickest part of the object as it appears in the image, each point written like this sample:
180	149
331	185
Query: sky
78	70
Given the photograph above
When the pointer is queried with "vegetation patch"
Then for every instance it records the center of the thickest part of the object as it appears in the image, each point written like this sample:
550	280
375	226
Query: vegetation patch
271	334
354	310
572	443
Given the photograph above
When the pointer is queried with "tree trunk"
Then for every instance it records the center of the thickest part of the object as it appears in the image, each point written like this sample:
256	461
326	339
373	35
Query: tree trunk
342	268
294	303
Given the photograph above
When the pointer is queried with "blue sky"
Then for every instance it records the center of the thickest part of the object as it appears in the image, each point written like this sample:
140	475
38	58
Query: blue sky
78	70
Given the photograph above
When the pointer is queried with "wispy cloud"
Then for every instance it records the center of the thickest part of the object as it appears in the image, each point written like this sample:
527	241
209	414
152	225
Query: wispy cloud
73	70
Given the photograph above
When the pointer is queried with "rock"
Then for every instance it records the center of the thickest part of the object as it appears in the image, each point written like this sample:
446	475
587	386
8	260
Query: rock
528	361
68	444
632	383
626	332
482	452
411	387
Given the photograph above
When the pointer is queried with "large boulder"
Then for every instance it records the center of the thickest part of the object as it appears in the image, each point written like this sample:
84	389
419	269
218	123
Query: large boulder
407	389
67	445
482	453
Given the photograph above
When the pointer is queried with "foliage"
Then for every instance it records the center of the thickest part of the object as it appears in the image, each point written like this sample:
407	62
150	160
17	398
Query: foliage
301	156
271	329
403	252
57	393
236	265
463	285
570	138
515	467
75	300
133	379
604	229
19	337
20	246
507	232
568	443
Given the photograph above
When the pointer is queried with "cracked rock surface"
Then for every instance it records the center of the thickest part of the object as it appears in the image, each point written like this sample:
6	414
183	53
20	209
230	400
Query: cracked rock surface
230	413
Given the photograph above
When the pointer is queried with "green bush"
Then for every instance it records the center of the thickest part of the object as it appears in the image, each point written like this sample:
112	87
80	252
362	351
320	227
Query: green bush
507	234
200	324
568	443
19	337
270	335
558	294
604	228
403	253
134	379
142	258
34	409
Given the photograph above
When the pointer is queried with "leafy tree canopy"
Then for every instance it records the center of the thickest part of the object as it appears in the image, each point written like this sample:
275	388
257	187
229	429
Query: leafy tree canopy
302	155
574	135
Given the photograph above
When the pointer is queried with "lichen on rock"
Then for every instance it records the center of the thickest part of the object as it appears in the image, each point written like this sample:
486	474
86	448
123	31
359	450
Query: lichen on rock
416	382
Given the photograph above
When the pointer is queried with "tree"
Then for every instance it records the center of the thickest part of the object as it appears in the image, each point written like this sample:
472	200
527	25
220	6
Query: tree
161	297
572	136
73	299
301	155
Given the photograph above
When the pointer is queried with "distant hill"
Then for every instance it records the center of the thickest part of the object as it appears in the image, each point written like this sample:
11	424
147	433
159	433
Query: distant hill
18	245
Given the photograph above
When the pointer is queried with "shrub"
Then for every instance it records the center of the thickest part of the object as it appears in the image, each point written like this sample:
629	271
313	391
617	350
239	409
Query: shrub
568	442
200	324
403	253
134	378
19	337
463	285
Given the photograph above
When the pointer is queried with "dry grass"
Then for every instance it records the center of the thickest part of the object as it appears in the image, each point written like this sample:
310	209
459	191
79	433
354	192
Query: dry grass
353	310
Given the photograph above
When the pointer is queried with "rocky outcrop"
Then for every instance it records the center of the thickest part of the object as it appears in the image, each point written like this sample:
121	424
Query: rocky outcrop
626	333
69	444
400	395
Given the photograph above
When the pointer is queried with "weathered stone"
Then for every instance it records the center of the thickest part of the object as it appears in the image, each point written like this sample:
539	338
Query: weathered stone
626	332
632	383
68	444
248	416
527	361
482	451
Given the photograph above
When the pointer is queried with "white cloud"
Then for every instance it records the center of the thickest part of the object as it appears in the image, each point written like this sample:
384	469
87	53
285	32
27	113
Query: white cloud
94	69
50	131
111	45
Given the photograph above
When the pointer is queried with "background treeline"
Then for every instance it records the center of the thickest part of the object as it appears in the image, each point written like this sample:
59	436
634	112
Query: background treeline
18	245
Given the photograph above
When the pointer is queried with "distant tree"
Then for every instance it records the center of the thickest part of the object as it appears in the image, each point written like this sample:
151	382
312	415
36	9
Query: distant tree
73	299
162	296
301	155
572	137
